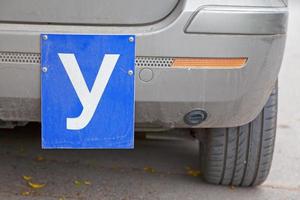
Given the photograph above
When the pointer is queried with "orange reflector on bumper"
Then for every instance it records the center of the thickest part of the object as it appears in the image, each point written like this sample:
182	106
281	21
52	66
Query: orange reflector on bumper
209	63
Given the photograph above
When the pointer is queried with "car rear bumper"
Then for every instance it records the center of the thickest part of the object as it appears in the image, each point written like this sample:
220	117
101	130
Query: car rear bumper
164	94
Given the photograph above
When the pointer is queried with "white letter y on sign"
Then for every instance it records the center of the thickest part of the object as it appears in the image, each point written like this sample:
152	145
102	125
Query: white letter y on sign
88	99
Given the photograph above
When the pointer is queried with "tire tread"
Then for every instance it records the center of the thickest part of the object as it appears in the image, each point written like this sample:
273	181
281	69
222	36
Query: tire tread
241	156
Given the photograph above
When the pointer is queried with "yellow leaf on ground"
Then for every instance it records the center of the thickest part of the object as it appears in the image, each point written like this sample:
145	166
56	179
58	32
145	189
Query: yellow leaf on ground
194	173
39	158
77	182
25	193
87	183
149	169
27	178
36	185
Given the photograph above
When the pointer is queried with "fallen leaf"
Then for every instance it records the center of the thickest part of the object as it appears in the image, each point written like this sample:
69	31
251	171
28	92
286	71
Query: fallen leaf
36	185
87	183
25	193
39	158
149	169
27	178
194	173
77	183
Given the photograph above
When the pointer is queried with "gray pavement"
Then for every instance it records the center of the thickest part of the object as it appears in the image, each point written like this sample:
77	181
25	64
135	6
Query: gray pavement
156	168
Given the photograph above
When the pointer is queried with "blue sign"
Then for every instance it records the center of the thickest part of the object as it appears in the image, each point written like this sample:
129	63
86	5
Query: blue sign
87	91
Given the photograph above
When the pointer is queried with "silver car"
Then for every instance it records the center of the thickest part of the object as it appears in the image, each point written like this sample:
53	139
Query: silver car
210	66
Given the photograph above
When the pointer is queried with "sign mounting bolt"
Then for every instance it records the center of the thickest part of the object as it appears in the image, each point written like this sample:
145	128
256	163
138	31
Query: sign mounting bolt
44	69
45	37
130	72
131	39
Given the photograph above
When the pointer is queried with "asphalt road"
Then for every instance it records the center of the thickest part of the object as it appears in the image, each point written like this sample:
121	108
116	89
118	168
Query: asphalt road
156	168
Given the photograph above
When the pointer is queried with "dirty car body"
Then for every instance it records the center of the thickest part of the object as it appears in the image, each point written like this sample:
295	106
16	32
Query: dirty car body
164	30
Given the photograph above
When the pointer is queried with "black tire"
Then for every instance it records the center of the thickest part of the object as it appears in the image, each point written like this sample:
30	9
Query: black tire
241	156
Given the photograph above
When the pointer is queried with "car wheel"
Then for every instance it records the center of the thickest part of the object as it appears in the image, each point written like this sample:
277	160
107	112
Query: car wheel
241	156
